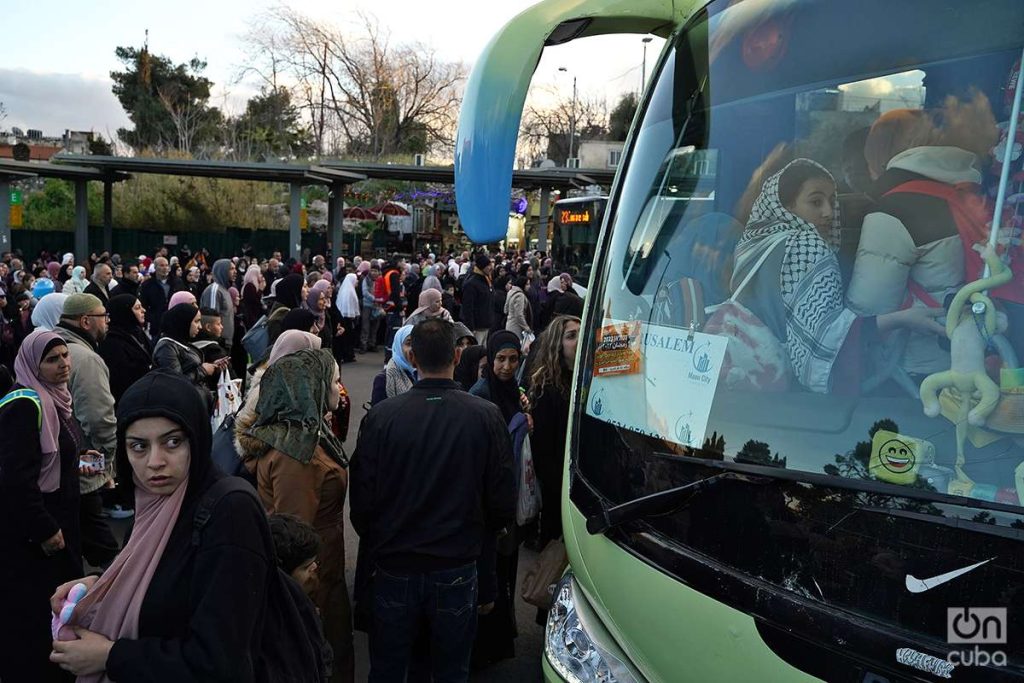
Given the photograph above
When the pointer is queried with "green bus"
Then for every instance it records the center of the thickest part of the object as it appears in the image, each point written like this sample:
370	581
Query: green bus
795	445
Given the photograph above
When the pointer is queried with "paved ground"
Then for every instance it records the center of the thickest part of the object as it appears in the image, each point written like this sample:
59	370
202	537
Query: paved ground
358	379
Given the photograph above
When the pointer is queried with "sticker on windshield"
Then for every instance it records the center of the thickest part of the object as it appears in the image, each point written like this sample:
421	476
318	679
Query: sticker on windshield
671	398
897	458
618	349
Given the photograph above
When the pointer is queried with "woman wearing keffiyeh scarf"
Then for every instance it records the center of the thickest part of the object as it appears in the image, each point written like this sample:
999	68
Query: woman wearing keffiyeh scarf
798	290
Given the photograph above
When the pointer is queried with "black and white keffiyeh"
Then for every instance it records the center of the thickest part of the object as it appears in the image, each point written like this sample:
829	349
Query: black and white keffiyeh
817	321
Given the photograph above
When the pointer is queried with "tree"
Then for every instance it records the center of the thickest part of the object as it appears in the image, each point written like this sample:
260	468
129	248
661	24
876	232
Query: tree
168	103
22	152
361	93
99	147
270	127
544	131
621	116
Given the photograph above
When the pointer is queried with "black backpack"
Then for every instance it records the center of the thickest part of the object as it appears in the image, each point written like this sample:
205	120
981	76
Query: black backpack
293	649
225	454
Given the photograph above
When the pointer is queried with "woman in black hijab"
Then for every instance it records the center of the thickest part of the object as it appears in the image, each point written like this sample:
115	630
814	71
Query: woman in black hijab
498	384
499	557
204	610
467	372
289	293
126	348
174	350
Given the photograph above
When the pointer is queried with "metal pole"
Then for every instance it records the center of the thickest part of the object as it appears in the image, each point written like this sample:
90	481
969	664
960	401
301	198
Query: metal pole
1004	175
5	216
294	234
643	71
82	221
572	124
336	218
542	231
108	216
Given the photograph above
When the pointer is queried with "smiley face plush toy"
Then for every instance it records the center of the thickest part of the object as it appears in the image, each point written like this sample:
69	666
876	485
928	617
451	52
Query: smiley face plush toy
896	458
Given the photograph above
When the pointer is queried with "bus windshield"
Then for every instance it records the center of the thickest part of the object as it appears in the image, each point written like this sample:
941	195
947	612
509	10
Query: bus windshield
799	268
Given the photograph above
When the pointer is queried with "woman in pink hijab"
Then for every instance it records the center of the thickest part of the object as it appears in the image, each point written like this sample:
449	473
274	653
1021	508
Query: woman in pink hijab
182	297
179	603
39	533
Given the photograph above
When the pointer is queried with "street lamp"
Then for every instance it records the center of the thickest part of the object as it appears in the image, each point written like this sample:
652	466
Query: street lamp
572	118
643	77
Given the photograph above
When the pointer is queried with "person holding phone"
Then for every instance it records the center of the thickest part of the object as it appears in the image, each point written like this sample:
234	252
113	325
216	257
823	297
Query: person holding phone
176	352
39	533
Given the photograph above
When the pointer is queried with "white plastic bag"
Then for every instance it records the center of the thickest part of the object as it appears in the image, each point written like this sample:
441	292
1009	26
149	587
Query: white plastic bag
229	398
528	505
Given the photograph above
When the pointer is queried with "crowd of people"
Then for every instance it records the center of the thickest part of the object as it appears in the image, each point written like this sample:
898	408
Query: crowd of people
112	393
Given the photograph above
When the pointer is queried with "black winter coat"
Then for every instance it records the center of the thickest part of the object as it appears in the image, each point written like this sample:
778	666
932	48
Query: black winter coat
203	614
128	357
153	299
27	518
426	492
477	302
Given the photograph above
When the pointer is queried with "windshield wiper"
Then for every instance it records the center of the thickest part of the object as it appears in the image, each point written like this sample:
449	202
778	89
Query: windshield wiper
848	484
656	503
670	500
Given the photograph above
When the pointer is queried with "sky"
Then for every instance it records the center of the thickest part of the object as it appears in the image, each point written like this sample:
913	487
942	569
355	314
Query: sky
55	75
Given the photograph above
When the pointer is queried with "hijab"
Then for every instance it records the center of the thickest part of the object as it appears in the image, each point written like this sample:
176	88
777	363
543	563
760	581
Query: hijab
504	394
121	314
298	319
252	277
67	259
467	372
431	282
48	311
221	269
53	268
292	406
183	297
428	297
112	605
398	354
177	321
289	291
348	298
313	300
77	283
292	341
54	399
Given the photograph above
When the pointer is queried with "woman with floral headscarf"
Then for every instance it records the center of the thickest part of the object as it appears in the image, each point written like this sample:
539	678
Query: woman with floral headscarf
301	469
788	249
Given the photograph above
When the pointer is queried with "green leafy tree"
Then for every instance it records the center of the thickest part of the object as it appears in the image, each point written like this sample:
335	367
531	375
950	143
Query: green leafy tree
621	116
167	102
271	127
99	147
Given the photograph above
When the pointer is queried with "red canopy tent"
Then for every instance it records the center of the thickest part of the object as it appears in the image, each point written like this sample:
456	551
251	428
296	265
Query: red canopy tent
359	213
390	209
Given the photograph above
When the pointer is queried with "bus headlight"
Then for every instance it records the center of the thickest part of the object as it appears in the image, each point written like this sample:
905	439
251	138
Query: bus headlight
576	647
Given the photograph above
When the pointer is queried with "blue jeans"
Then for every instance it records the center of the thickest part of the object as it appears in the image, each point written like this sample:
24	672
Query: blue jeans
441	605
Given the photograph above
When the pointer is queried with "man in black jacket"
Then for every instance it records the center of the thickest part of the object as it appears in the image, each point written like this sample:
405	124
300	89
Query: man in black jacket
478	298
424	494
154	294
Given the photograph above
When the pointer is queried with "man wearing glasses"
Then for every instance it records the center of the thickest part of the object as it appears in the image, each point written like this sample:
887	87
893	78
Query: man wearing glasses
83	325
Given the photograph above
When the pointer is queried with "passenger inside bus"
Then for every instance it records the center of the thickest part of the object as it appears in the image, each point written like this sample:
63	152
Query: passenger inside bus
787	254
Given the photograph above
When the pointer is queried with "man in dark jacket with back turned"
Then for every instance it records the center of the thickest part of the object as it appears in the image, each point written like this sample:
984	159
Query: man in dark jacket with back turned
478	298
424	494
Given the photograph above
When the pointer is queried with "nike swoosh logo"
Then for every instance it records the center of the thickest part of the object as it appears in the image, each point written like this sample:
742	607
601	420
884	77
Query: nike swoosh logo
916	585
